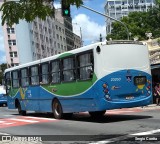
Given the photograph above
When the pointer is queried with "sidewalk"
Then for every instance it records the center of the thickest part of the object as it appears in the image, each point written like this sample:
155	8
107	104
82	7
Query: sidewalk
151	106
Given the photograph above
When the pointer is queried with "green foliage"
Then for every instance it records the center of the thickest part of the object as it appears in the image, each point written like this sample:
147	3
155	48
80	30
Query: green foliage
3	67
28	10
158	40
138	23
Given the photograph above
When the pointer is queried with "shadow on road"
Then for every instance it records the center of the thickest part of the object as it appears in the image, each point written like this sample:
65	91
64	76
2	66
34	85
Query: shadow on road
87	118
109	118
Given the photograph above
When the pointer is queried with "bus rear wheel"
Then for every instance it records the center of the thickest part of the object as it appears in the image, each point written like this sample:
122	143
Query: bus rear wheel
57	109
97	114
20	111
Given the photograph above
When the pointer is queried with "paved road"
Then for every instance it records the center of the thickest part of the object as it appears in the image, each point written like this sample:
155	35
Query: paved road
117	126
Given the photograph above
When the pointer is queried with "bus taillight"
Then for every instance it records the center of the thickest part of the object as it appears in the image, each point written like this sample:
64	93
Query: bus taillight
106	91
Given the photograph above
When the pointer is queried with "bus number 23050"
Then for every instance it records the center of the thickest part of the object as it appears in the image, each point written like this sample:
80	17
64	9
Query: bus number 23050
115	79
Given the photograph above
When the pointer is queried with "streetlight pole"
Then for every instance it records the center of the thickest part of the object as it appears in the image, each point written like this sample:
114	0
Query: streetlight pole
81	36
110	18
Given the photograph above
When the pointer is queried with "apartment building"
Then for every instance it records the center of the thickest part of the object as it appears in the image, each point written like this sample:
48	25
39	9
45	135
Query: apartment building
67	22
119	8
77	41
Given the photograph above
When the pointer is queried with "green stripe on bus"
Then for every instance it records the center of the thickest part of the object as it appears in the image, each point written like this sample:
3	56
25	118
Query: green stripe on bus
70	88
65	55
13	91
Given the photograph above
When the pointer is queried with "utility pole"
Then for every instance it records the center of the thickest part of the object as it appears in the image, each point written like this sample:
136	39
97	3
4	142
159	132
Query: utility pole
81	36
110	18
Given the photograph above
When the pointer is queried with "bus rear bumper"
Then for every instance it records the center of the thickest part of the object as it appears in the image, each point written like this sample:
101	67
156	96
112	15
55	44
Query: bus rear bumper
107	105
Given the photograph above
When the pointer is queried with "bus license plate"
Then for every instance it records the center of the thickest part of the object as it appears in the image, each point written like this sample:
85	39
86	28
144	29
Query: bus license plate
140	80
129	97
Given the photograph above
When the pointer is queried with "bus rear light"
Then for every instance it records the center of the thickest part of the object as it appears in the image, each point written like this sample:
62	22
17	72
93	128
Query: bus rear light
106	91
105	86
148	87
108	97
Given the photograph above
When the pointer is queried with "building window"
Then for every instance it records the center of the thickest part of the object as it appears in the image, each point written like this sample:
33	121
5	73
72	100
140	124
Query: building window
58	45
57	36
13	54
56	27
60	29
11	42
10	30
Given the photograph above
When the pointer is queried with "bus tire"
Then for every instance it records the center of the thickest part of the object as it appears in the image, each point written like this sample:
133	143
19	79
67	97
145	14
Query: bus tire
97	114
57	109
20	111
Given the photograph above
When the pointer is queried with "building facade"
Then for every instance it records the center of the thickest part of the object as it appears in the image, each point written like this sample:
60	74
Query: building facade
77	41
119	8
154	50
67	22
26	42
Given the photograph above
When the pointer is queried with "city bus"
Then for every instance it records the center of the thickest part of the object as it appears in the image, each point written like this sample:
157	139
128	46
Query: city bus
94	78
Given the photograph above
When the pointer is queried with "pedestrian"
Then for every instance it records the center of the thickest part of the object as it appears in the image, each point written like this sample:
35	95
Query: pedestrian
157	93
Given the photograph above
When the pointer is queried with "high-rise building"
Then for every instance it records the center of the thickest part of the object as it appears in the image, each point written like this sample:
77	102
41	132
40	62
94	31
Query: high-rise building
26	42
67	22
119	8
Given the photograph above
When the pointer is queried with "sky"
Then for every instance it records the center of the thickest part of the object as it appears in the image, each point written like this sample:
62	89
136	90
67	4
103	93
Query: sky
90	23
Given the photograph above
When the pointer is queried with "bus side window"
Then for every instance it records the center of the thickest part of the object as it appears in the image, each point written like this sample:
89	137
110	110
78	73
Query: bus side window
7	82
68	70
55	71
34	75
24	77
85	66
45	73
15	79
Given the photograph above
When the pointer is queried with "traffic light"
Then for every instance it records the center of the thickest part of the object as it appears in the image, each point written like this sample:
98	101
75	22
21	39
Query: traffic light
65	9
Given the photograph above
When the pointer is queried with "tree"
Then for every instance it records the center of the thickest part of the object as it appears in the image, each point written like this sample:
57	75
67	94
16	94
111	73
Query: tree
28	10
138	23
3	67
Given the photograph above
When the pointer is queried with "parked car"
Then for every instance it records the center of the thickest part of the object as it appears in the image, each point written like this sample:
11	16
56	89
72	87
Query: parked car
3	98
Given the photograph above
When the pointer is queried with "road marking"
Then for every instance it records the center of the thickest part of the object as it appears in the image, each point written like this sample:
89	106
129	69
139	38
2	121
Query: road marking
7	115
50	119
146	133
120	111
6	123
4	133
23	120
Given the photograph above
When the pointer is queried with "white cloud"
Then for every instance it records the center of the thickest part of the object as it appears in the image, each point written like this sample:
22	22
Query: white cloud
57	5
90	30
